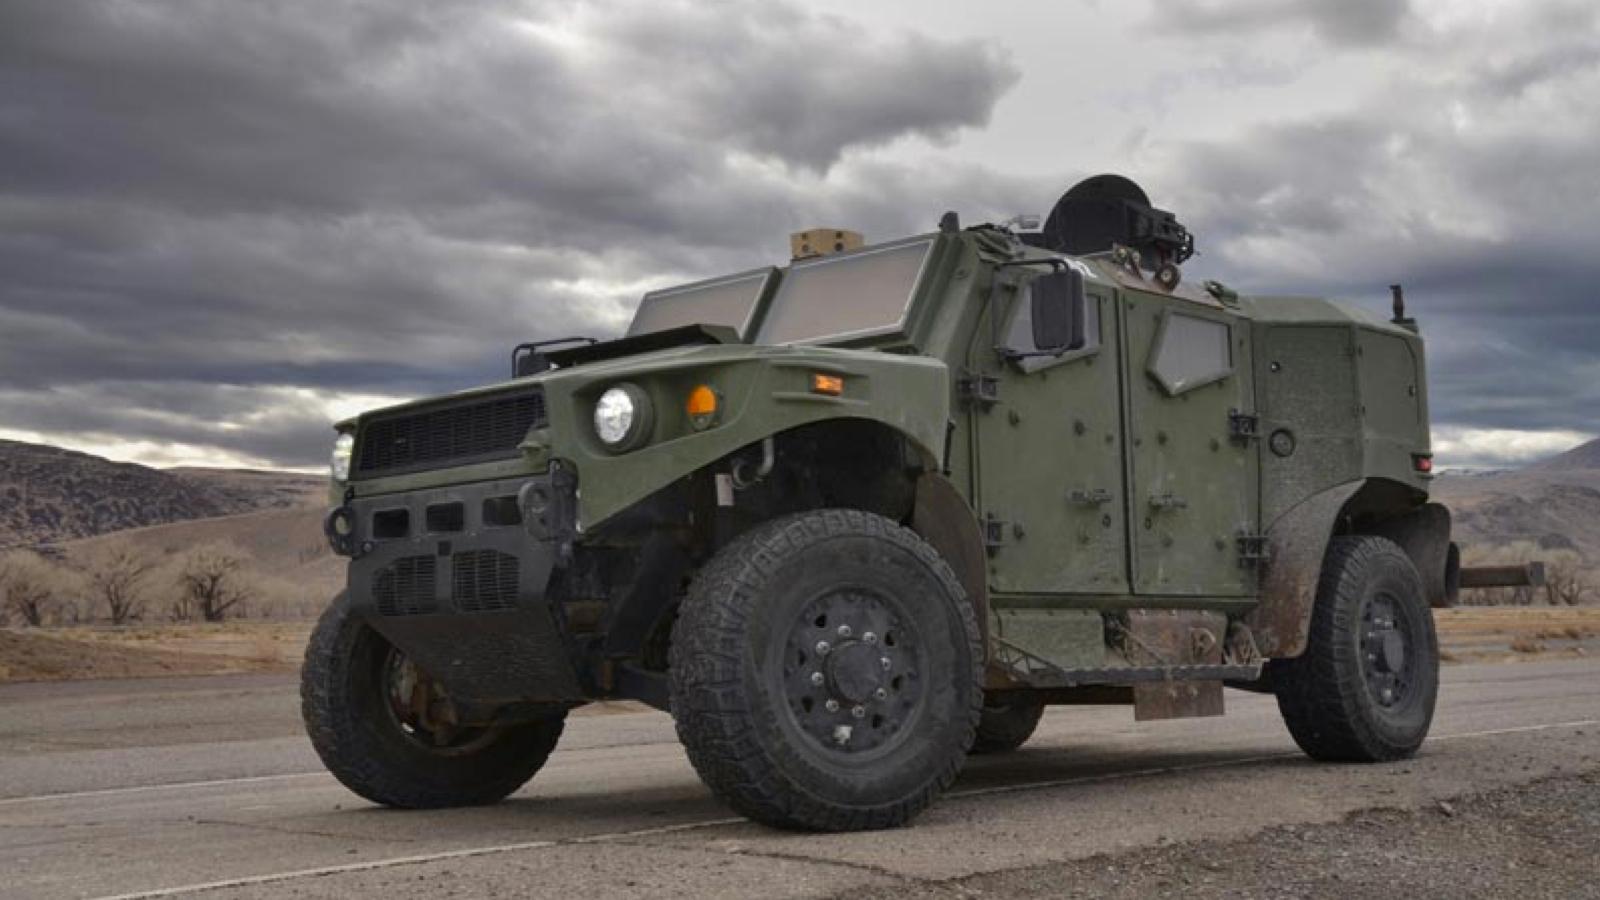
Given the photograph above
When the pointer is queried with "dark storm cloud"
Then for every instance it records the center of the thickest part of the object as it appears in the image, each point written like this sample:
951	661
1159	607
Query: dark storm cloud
219	202
1463	190
1351	22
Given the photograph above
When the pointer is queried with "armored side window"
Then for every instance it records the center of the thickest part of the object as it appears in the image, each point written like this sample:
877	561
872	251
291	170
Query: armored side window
734	301
1190	351
847	295
1019	334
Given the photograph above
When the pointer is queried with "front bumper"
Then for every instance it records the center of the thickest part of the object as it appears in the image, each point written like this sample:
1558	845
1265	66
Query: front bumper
458	578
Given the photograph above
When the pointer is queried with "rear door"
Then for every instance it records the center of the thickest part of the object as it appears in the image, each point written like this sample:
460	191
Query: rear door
1194	490
1049	451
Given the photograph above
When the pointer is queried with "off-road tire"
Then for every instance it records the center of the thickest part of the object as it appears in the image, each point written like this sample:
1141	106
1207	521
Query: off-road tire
1007	725
1324	694
364	747
743	732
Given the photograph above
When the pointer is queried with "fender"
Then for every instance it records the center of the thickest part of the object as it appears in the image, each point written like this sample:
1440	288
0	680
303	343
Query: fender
762	391
944	520
1296	544
1424	534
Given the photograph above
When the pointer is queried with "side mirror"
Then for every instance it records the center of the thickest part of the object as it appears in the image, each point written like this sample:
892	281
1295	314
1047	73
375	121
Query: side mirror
1058	312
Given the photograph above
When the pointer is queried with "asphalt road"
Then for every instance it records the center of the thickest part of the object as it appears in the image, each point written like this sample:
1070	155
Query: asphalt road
206	786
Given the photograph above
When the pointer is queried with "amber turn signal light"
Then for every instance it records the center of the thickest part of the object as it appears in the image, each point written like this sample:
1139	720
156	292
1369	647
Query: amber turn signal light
832	385
702	407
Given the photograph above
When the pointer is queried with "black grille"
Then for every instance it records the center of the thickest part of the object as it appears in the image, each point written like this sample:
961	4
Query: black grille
464	432
405	588
484	580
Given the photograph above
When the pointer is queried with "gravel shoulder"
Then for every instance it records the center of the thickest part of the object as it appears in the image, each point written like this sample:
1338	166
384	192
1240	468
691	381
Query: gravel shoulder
1537	840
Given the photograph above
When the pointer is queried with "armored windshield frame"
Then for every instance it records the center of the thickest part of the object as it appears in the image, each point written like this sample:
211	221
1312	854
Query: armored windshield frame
900	327
764	276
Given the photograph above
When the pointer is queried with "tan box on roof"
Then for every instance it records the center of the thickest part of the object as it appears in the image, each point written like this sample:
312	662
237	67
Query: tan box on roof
823	241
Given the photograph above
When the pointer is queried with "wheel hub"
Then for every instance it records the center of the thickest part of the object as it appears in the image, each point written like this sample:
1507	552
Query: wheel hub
1392	652
854	671
1387	656
851	671
422	712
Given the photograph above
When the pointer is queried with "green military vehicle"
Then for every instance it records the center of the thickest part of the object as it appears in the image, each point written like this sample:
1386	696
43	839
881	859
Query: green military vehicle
851	519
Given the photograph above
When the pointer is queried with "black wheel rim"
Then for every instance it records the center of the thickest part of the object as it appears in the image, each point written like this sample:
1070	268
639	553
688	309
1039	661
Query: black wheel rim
421	712
1390	651
853	672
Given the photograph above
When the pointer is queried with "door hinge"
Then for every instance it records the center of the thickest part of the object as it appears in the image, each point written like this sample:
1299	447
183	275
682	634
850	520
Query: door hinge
1243	426
1168	500
979	389
1253	551
994	532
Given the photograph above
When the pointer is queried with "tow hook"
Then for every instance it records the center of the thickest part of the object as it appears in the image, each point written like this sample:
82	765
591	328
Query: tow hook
340	529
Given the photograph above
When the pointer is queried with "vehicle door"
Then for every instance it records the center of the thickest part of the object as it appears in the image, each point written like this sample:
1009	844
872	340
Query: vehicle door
1192	455
1049	450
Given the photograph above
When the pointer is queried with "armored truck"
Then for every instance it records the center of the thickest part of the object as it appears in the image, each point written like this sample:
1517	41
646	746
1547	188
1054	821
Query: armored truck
855	517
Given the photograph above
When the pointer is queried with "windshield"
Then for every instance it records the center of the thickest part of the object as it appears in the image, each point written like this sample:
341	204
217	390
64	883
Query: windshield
850	295
732	301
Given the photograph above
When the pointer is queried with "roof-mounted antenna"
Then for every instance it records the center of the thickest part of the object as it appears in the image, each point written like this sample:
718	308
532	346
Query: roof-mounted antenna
1399	295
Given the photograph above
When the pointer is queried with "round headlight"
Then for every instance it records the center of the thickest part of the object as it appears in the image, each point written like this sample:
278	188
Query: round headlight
339	464
622	416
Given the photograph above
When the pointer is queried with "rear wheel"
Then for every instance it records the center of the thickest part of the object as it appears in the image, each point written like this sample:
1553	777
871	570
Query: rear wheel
387	731
826	673
1365	687
1007	725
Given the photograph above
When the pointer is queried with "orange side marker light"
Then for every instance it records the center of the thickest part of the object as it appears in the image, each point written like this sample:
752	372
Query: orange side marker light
832	385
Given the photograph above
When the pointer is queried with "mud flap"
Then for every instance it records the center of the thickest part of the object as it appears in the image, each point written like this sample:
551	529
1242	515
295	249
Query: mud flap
1177	700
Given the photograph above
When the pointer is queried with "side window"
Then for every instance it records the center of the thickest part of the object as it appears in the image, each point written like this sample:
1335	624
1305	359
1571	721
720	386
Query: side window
1019	334
1189	352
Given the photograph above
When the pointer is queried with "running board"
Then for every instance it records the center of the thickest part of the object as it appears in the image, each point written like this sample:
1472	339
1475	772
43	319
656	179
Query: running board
1036	671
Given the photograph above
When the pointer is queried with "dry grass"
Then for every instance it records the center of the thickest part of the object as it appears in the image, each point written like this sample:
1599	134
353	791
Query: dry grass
144	651
1478	634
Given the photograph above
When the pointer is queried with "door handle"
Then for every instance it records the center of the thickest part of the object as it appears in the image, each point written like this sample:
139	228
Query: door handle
1089	498
1168	501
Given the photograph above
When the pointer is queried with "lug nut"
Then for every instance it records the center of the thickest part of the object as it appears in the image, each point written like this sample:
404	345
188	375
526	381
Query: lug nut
822	648
831	706
859	712
816	678
870	638
881	693
885	663
844	631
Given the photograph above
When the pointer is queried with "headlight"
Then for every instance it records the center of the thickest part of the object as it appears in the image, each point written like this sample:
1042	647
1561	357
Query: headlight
339	464
622	417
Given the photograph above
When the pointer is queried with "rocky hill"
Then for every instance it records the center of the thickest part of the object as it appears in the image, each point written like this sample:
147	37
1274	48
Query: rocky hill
49	495
1584	458
1554	505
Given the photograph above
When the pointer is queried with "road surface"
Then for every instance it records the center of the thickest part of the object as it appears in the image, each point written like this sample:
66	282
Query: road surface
206	787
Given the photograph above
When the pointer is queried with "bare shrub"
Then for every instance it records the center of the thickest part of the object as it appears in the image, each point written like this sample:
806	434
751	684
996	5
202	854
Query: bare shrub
30	588
116	575
284	599
1565	581
212	582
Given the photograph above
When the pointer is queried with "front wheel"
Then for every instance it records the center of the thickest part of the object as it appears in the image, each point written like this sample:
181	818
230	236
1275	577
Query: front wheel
1365	687
387	731
826	673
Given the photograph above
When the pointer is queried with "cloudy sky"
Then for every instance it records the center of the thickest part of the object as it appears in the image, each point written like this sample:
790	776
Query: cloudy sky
223	225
